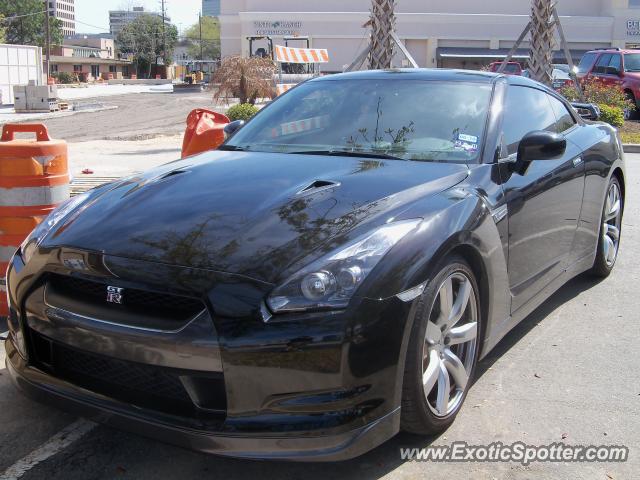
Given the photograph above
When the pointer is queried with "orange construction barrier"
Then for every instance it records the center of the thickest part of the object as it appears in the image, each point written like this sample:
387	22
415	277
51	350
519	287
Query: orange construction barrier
204	131
34	178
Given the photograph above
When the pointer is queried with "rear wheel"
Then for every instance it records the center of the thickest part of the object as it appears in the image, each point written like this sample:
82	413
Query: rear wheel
610	230
443	350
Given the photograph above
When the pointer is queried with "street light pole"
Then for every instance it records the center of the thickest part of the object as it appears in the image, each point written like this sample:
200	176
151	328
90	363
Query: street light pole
47	34
200	24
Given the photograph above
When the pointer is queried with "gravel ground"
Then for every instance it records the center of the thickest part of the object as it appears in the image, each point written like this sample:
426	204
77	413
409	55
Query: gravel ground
568	373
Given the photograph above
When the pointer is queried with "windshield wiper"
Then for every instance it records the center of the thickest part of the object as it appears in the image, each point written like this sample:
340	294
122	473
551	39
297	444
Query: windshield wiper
233	148
348	153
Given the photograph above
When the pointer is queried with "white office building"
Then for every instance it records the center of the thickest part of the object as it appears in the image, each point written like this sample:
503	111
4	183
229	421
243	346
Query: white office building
65	11
119	18
461	33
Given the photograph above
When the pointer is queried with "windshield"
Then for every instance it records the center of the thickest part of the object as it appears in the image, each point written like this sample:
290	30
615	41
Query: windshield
403	119
587	62
632	62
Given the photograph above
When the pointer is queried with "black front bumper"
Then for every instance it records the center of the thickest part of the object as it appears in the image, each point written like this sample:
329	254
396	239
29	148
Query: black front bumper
318	387
46	389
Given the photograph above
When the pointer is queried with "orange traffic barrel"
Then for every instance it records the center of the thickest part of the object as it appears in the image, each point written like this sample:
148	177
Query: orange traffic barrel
34	179
205	131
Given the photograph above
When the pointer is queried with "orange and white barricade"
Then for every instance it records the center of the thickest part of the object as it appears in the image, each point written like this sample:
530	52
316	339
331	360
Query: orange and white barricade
308	56
284	87
301	55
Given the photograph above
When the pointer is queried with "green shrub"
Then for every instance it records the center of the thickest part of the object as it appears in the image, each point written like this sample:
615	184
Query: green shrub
612	115
243	111
64	77
596	91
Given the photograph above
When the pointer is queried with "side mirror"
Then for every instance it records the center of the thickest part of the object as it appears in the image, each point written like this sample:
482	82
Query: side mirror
588	111
231	128
612	71
541	145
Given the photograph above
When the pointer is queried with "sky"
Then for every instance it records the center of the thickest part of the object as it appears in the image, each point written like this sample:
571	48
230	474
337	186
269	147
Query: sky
183	13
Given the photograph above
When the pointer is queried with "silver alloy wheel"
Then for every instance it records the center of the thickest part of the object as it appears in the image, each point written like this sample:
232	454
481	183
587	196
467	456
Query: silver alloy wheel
450	344
611	225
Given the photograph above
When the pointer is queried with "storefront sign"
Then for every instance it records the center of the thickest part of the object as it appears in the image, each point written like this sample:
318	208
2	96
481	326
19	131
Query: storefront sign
278	28
633	28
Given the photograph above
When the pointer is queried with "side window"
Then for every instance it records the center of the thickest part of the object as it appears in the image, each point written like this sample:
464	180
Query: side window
565	119
526	109
602	63
615	64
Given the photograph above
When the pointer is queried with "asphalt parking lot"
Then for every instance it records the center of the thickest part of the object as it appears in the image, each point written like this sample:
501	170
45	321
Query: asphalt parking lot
568	373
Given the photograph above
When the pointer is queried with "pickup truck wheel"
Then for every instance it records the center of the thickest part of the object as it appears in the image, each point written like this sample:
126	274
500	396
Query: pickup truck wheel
631	113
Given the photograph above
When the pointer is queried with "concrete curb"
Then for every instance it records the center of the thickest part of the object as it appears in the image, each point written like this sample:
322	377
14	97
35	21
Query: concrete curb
631	148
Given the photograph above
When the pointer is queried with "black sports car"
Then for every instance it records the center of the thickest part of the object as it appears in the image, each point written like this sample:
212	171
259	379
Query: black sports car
330	275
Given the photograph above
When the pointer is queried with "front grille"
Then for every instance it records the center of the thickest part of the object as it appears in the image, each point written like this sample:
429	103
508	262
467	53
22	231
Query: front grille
146	386
139	307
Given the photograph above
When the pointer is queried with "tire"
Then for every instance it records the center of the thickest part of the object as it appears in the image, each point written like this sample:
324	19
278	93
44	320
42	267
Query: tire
420	413
631	113
609	228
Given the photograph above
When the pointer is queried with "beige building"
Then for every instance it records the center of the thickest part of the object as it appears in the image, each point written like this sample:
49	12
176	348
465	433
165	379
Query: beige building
445	33
89	58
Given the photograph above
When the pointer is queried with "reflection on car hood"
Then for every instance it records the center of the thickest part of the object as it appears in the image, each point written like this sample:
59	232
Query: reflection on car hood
246	212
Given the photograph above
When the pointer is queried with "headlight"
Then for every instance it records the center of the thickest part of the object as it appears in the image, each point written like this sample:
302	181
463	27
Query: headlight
331	281
30	244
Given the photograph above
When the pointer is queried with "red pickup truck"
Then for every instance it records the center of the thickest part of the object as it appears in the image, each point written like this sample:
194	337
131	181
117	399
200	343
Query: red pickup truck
512	68
613	66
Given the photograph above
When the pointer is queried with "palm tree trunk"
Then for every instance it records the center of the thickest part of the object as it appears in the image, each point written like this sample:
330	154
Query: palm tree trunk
542	41
383	22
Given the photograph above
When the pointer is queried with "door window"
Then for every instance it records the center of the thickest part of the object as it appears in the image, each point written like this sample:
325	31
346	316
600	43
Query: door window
526	109
602	64
615	65
565	119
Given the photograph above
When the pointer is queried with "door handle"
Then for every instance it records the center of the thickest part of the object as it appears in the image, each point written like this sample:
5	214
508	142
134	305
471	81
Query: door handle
577	161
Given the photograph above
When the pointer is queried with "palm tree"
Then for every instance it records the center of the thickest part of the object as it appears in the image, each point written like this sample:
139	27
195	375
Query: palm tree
383	22
542	41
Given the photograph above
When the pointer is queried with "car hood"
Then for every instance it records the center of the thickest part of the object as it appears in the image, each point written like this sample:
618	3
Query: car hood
248	213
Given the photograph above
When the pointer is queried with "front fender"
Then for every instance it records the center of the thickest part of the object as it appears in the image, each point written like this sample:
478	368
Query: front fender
458	221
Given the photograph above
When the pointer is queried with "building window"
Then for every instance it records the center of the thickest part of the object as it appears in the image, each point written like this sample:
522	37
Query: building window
95	71
113	69
634	3
77	68
54	68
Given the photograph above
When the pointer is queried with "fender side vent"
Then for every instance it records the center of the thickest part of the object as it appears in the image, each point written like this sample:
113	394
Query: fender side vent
318	185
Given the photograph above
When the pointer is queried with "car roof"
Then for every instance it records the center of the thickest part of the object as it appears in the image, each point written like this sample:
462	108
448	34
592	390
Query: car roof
614	50
438	74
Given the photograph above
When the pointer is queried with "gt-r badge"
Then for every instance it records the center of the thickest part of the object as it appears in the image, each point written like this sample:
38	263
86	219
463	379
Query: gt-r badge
115	294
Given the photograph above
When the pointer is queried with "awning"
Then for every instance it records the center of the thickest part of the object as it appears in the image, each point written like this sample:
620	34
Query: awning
88	60
500	53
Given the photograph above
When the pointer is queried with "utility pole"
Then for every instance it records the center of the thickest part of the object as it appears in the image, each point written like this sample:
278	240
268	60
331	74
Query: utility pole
164	40
200	24
47	40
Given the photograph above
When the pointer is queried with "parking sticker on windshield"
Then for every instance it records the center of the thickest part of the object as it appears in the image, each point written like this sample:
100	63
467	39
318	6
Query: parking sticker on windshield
468	138
467	147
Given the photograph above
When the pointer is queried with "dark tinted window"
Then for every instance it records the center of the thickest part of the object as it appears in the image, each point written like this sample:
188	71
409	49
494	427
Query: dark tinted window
602	63
632	62
565	119
587	62
615	63
526	110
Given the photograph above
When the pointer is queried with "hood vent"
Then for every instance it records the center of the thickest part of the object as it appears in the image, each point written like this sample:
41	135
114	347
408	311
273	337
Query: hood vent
317	186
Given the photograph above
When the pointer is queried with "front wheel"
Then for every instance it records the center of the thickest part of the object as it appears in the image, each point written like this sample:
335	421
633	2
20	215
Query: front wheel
610	230
443	350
